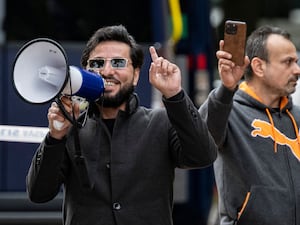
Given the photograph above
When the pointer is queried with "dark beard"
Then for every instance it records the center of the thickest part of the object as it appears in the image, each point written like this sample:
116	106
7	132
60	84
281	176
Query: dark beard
117	100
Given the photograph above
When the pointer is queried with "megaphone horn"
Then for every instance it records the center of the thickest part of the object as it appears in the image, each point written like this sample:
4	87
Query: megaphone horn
41	73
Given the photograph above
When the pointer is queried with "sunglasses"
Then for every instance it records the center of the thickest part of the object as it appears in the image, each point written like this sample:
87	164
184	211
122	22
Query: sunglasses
99	63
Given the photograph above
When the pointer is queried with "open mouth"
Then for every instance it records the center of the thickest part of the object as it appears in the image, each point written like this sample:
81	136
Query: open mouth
109	83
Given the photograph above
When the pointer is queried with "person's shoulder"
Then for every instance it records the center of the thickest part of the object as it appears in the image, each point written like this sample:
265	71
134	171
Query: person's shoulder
152	112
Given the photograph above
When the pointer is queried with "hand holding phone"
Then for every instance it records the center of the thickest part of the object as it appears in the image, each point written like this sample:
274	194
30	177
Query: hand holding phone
235	40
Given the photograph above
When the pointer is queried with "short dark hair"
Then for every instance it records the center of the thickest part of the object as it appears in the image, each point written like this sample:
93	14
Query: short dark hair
114	33
256	44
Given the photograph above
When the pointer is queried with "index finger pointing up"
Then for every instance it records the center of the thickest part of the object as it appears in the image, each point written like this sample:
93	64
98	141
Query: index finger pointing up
153	53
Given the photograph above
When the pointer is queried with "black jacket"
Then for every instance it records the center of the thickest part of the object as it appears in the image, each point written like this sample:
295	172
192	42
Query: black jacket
131	173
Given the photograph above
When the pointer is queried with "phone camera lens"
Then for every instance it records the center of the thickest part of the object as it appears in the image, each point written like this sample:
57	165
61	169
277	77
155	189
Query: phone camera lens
231	28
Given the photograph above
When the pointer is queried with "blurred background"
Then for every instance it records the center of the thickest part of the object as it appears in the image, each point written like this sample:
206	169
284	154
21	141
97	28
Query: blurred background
185	31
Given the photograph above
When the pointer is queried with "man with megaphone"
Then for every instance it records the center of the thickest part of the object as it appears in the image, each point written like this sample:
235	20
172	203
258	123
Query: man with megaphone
129	152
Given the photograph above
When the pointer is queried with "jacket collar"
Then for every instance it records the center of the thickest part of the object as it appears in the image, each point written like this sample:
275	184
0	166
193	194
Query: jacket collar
131	106
244	87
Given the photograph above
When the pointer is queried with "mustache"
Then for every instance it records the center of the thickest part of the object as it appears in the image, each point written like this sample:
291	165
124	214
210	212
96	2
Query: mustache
294	79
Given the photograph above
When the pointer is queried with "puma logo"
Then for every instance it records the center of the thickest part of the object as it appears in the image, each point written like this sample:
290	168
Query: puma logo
264	129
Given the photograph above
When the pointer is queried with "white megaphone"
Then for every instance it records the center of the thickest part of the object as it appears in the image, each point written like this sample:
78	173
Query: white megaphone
41	73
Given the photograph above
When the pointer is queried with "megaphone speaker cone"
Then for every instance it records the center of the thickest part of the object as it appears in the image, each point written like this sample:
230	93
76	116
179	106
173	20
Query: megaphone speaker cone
32	62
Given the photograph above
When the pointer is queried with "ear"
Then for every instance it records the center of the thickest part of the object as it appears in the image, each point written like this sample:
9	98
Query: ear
258	66
136	76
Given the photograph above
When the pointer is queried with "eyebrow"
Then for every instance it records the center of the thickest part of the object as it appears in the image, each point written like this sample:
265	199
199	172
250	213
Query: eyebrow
113	57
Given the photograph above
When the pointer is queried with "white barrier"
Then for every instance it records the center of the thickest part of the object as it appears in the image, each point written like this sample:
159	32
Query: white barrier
22	133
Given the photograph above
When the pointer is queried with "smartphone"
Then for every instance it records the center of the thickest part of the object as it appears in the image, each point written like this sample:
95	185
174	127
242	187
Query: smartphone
235	33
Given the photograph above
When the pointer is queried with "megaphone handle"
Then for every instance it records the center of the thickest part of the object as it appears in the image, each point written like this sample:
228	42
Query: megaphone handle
64	112
57	124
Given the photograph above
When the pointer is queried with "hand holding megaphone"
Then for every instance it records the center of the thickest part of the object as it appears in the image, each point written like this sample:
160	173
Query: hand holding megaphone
77	102
60	115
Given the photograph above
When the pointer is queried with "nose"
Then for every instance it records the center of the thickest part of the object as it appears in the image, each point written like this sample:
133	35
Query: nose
297	69
106	69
